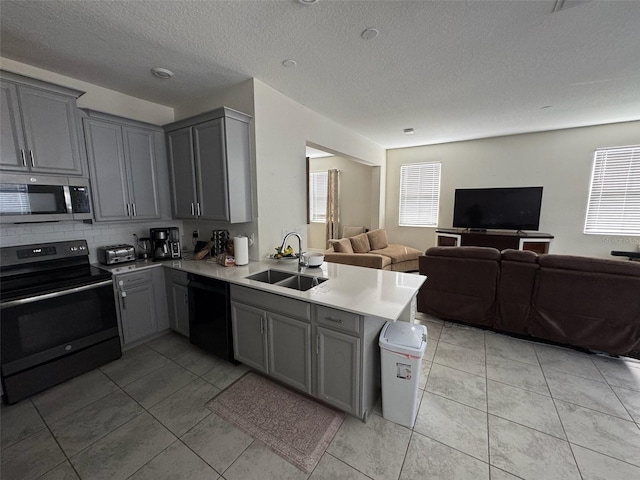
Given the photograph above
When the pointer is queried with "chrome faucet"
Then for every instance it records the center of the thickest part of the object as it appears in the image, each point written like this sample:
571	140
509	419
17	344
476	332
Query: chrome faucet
284	242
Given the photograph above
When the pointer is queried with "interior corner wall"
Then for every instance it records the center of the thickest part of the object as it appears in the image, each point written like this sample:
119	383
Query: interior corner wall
239	97
282	129
560	161
98	98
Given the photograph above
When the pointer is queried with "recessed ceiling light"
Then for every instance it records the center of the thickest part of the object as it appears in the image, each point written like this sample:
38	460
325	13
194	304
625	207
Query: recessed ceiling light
289	63
163	73
369	33
307	2
409	131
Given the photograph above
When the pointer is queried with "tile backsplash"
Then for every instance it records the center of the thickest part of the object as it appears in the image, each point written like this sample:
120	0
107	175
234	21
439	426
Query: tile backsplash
96	234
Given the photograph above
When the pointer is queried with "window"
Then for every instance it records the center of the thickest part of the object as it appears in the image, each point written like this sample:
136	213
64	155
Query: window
419	195
614	196
318	197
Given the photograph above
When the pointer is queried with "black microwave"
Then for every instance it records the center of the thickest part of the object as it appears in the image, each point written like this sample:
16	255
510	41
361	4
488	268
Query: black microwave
36	198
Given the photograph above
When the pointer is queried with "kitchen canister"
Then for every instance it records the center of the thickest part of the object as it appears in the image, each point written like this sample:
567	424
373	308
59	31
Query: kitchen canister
241	250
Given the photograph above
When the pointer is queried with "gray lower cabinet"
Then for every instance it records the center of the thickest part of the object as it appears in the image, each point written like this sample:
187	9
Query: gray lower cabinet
328	353
178	300
39	127
210	163
122	158
141	304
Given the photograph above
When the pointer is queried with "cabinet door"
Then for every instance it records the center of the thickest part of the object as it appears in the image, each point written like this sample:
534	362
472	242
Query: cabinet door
179	308
290	351
183	179
107	167
138	312
139	154
249	336
211	169
12	147
51	131
339	369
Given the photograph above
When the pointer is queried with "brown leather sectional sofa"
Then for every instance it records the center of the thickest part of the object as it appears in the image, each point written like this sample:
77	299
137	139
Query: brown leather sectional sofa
580	301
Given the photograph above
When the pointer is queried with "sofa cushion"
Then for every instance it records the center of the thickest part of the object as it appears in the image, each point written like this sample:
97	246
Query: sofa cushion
342	246
525	256
378	239
588	264
360	243
351	231
369	260
484	253
398	253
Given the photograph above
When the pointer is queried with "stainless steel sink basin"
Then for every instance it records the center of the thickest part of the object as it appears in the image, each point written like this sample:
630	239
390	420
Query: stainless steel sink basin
296	281
270	276
302	282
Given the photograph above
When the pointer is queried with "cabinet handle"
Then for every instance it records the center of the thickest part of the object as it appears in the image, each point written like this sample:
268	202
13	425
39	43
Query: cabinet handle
193	211
186	301
24	159
31	157
198	208
124	304
336	320
135	214
317	344
128	210
262	325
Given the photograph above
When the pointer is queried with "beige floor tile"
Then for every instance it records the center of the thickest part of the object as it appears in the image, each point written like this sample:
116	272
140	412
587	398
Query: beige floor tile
31	457
595	466
600	432
217	442
456	425
427	458
457	385
425	368
72	395
87	425
186	407
463	336
375	448
568	361
123	451
172	345
631	400
497	474
18	422
524	407
224	374
461	358
197	361
134	364
330	468
176	462
61	472
258	462
619	373
158	385
512	348
529	453
517	374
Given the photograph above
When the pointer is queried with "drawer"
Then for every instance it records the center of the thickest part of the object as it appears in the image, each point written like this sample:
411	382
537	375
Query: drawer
177	276
132	279
338	319
271	302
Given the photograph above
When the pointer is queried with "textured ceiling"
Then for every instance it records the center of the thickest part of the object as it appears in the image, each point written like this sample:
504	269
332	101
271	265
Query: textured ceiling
452	70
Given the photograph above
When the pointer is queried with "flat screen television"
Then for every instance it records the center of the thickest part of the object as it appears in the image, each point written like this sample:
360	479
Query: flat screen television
515	208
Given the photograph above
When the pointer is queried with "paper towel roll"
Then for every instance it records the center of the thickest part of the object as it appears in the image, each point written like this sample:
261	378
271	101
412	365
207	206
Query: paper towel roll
241	250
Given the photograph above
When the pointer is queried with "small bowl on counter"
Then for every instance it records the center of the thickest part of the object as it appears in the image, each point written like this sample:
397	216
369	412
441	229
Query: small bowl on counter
313	259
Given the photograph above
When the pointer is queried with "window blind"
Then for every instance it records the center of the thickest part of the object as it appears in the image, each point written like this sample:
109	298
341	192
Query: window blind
614	195
419	195
318	182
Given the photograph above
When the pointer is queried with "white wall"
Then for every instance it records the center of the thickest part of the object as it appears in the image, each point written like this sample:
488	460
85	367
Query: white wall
355	196
96	97
560	161
283	128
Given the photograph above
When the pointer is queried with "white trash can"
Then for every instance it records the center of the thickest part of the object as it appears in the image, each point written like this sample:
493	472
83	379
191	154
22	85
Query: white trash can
402	347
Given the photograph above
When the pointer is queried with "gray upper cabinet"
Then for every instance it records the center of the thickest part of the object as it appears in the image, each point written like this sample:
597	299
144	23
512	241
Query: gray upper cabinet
210	164
40	131
122	160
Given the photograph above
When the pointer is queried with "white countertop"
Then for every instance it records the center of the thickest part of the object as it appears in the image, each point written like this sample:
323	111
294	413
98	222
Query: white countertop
366	291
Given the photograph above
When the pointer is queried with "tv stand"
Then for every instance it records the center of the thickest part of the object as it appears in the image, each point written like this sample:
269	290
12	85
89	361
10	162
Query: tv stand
517	240
477	230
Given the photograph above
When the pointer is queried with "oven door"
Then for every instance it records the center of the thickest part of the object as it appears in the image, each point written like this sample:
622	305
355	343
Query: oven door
39	329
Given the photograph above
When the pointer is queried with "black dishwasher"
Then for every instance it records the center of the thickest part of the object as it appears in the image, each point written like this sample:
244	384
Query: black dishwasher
210	316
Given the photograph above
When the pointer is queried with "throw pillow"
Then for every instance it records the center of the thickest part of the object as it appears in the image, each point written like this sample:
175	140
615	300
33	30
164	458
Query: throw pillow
360	243
378	239
342	246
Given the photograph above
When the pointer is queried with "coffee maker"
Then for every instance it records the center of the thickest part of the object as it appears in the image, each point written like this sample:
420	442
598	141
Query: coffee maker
165	243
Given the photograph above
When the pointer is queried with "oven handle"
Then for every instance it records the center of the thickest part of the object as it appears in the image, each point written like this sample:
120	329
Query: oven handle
46	296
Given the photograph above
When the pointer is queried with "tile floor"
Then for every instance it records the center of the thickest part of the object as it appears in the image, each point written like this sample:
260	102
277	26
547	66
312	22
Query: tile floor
491	407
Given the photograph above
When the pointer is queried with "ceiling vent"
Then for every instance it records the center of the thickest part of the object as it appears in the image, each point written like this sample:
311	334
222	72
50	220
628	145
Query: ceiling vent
564	4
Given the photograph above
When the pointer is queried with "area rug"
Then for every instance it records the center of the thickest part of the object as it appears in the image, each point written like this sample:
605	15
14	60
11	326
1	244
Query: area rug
295	427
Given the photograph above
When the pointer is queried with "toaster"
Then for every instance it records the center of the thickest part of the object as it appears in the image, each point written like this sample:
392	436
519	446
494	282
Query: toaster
112	254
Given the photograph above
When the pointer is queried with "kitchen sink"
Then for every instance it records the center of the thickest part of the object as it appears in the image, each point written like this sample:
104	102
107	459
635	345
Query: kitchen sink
270	276
295	281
